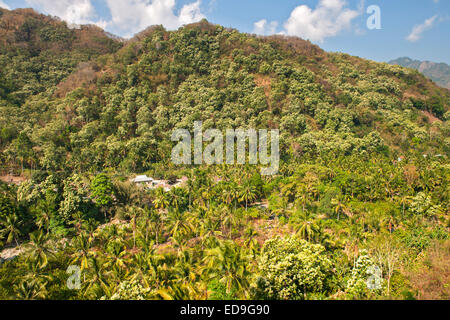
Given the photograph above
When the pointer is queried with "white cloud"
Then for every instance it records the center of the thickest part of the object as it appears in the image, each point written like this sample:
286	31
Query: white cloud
3	5
190	13
328	19
127	16
72	11
265	28
417	31
132	16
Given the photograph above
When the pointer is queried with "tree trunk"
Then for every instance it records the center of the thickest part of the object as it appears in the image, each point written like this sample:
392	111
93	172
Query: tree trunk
389	285
134	232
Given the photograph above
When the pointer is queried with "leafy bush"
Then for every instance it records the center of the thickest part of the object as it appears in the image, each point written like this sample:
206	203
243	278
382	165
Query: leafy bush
292	269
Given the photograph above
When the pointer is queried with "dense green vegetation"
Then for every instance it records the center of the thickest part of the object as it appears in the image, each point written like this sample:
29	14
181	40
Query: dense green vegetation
363	181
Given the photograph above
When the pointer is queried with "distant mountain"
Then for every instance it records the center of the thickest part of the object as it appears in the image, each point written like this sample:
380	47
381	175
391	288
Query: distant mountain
438	72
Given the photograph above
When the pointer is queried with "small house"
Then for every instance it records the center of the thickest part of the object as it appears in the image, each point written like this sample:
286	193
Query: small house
143	180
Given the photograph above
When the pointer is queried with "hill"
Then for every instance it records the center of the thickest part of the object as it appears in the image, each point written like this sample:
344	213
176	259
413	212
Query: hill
438	72
73	103
37	52
362	191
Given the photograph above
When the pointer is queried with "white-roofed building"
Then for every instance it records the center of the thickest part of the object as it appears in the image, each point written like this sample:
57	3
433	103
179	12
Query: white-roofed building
142	180
151	183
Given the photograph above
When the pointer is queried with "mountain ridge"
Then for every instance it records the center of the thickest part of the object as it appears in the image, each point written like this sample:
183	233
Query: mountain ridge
438	72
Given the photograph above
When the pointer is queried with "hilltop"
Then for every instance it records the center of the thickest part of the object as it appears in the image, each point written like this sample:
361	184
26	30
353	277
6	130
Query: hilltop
37	52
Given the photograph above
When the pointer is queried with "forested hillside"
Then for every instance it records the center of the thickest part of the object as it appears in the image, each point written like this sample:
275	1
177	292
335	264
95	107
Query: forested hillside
363	178
127	103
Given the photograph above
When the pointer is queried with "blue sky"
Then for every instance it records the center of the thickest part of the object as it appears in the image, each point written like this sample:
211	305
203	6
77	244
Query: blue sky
419	29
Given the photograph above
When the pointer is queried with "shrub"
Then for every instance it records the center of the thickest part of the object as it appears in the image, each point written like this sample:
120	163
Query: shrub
292	269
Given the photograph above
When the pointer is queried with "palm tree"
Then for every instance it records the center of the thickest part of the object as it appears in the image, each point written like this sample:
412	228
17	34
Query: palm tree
289	190
235	194
247	193
404	200
11	228
228	263
340	206
251	241
190	187
156	220
310	184
178	223
209	230
187	275
96	284
116	257
82	250
31	289
161	201
133	212
90	227
226	216
281	207
77	221
228	194
38	248
143	223
307	227
145	265
305	190
208	194
43	220
176	197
